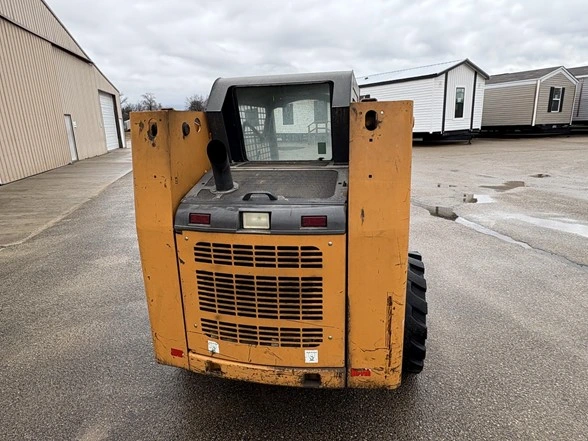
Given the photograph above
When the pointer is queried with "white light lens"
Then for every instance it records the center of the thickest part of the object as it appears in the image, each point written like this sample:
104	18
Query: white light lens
256	221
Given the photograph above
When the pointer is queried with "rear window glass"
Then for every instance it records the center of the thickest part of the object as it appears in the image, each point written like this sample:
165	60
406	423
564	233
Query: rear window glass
286	123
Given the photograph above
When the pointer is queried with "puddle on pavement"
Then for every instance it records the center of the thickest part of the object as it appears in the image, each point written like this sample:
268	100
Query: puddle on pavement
565	225
508	185
437	211
481	229
562	224
483	199
470	198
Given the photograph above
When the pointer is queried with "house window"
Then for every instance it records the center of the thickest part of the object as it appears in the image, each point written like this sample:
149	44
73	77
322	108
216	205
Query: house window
556	97
288	115
459	100
321	109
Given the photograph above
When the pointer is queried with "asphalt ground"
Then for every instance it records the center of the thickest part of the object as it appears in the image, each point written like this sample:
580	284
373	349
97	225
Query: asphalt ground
507	349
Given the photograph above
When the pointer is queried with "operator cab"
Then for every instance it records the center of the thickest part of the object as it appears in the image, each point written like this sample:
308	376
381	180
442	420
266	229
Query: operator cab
279	154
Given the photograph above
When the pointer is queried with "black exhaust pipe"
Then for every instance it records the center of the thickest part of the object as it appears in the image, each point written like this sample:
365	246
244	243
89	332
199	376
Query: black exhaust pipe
219	160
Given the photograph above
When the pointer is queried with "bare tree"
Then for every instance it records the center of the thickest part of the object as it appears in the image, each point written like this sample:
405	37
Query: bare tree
196	102
126	107
148	102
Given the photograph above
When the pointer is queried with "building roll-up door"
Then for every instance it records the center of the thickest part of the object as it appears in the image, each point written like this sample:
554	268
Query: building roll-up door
109	120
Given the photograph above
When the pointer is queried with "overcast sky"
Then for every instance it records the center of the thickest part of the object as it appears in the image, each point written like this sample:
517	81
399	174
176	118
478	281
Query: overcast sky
176	48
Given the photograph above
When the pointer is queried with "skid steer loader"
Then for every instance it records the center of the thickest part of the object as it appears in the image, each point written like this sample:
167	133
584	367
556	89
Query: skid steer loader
273	232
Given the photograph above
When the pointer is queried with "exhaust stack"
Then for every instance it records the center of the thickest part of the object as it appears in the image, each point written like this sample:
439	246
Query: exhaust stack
221	170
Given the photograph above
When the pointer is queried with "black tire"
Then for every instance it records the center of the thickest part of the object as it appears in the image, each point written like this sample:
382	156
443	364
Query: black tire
415	321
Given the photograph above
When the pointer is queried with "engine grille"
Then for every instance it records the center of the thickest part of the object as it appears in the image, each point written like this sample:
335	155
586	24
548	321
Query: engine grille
263	335
267	297
262	256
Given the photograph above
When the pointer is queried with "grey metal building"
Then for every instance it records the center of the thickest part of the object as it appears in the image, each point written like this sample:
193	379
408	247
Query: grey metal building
56	107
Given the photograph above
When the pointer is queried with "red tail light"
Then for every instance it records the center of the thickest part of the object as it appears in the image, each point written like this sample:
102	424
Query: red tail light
314	221
361	372
199	218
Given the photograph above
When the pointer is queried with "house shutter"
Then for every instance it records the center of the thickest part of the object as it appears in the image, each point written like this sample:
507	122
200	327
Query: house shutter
563	90
551	89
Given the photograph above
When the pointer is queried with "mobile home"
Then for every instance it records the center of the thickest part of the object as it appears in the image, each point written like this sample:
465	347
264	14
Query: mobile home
534	100
448	97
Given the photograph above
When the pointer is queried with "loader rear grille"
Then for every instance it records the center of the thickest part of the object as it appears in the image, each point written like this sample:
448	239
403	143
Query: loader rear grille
265	297
263	335
261	256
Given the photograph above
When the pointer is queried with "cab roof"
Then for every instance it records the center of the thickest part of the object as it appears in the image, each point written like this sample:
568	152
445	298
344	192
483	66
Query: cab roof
344	86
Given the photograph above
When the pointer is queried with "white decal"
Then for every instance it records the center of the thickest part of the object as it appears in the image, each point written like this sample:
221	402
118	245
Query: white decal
311	356
213	347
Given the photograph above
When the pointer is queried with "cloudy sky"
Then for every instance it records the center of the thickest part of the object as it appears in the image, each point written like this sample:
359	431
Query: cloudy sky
177	48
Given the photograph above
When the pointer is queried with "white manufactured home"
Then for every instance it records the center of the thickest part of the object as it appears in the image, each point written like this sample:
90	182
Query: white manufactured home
534	100
448	97
580	113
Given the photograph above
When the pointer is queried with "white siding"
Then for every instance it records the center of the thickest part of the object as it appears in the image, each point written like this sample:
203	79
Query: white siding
437	104
479	102
461	76
303	117
424	94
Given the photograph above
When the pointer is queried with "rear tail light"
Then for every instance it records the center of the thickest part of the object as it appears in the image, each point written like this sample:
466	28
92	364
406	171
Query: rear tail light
199	218
314	221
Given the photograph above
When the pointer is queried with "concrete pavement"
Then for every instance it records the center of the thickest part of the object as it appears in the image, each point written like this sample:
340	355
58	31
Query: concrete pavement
31	205
506	355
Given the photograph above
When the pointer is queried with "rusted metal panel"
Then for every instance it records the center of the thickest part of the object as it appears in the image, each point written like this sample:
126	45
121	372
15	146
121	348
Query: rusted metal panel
378	224
252	310
33	137
166	164
37	17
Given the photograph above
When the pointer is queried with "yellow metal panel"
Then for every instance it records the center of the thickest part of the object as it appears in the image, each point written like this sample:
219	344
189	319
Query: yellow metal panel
330	377
165	166
378	223
331	352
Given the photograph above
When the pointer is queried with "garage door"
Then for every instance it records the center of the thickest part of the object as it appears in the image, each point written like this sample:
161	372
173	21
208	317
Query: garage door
109	120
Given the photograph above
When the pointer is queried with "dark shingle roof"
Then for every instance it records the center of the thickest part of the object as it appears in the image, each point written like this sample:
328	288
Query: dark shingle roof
521	76
579	71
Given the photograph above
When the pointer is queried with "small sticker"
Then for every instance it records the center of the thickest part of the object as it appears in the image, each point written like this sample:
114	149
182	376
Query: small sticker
213	347
311	356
